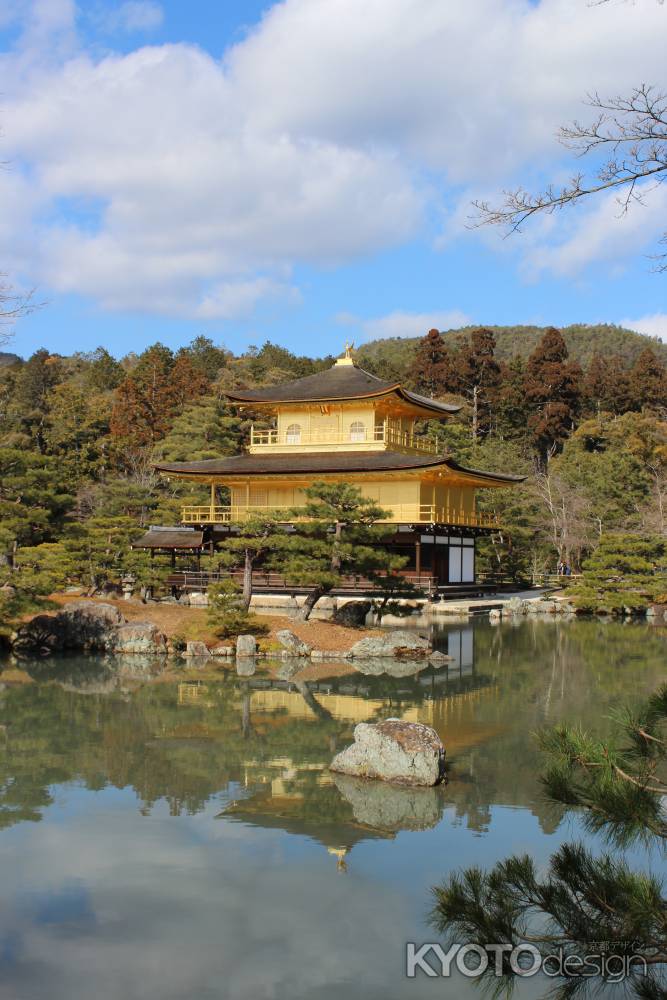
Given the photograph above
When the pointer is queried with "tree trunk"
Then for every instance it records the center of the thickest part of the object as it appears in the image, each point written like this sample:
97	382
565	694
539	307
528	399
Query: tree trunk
247	580
335	555
304	612
475	413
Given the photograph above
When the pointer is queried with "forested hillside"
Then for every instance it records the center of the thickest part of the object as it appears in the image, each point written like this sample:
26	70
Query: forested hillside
79	436
395	354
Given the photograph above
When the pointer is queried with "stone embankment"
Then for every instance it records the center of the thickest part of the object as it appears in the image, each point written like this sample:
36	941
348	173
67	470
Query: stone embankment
86	626
516	607
561	607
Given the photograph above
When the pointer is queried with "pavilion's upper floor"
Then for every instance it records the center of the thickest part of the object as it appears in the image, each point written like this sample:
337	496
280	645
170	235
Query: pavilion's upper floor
343	408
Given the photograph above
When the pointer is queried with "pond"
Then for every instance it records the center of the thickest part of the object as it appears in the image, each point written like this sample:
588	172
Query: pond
182	838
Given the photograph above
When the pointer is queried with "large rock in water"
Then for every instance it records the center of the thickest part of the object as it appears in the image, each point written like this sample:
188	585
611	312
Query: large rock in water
398	642
408	753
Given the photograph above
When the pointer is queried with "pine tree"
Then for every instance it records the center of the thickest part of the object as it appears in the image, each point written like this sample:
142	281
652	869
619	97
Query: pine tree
259	535
227	614
34	500
77	429
98	551
103	371
336	535
583	905
29	409
205	357
206	428
624	571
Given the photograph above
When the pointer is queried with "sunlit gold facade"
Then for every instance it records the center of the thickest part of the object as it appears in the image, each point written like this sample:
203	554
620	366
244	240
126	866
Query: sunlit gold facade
345	425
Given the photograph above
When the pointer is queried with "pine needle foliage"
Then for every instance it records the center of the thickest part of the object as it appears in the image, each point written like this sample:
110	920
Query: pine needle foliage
583	903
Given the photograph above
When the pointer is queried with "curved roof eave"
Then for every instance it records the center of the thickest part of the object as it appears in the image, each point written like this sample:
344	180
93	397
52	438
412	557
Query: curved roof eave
335	463
339	383
432	405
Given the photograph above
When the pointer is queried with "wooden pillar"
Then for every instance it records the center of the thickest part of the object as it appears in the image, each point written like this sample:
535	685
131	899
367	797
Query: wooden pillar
212	514
418	556
173	558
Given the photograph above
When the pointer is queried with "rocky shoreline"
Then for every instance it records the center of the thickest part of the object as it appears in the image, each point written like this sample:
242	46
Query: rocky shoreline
84	626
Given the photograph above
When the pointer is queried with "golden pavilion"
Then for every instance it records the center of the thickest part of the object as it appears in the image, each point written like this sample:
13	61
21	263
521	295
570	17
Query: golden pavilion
344	424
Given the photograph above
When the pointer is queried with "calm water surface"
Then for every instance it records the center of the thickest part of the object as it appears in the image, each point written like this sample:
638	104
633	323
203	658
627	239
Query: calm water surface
183	839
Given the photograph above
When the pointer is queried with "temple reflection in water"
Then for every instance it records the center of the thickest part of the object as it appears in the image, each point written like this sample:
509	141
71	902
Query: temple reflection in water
256	748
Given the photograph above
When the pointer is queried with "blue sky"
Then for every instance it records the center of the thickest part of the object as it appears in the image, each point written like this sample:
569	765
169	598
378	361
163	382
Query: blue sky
303	172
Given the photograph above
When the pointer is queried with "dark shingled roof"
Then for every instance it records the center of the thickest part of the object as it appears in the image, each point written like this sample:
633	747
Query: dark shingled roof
338	382
357	461
171	538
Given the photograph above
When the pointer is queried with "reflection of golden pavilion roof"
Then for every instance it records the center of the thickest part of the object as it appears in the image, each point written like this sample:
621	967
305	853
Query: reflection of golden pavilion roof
339	853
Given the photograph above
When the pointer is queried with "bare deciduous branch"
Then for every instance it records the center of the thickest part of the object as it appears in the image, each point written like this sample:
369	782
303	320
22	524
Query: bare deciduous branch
13	306
632	134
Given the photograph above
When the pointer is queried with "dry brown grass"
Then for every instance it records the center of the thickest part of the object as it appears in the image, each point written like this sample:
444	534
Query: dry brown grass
191	623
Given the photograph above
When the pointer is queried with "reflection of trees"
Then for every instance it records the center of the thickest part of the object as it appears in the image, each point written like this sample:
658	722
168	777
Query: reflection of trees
545	671
186	744
310	700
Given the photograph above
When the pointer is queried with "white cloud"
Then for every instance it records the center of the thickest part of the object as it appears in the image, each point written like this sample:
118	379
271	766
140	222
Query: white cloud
599	231
238	299
155	179
406	324
170	908
470	89
136	15
654	325
178	196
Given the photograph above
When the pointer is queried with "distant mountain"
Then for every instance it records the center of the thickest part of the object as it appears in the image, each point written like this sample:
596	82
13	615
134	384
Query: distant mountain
8	359
393	356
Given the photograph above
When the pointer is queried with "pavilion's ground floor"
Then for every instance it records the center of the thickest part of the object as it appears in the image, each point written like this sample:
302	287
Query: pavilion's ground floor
440	559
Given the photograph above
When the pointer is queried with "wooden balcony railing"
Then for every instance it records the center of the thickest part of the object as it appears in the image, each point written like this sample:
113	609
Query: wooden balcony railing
396	514
388	433
263	579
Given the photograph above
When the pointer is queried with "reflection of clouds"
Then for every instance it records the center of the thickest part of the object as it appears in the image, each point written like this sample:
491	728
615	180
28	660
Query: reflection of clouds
180	909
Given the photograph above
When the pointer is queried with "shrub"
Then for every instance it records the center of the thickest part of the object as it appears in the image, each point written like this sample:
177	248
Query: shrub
226	614
625	571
